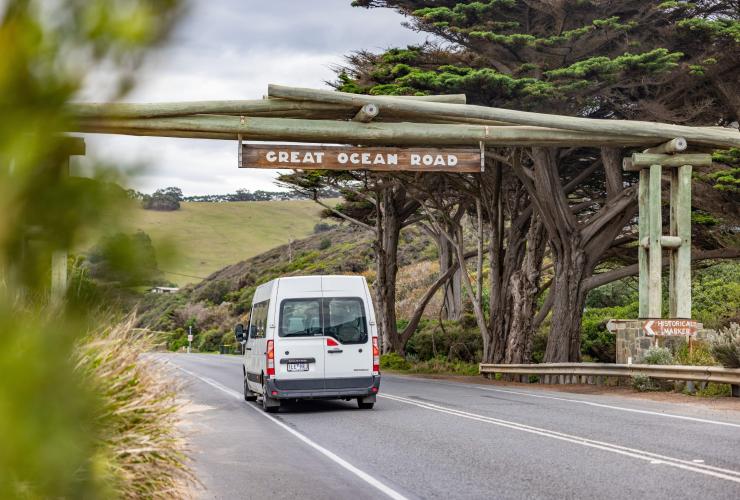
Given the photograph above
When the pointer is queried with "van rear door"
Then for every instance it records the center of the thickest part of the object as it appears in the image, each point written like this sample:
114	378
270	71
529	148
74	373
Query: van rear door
348	344
299	341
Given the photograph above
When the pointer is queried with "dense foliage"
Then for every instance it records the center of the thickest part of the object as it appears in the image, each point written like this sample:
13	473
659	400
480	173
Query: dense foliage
666	61
59	439
163	199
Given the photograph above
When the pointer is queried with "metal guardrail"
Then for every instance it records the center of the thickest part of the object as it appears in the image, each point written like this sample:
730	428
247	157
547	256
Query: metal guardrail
670	372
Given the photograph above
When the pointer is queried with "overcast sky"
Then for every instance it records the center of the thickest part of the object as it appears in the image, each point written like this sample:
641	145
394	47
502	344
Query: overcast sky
231	49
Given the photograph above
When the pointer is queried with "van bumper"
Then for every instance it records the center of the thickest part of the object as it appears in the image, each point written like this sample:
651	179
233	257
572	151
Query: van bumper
330	388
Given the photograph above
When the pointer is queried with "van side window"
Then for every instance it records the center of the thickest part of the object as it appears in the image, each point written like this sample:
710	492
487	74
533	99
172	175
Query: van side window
258	320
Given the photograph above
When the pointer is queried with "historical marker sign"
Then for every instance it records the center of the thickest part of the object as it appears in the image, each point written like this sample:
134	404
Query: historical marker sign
360	158
667	327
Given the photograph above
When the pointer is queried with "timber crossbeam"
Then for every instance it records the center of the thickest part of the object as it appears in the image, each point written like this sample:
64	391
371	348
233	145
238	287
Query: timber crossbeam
311	115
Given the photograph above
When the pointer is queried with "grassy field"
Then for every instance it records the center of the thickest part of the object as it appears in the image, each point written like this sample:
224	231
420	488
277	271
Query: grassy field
205	237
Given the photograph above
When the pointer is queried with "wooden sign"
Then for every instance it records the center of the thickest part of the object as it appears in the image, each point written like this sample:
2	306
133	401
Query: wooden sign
385	159
668	327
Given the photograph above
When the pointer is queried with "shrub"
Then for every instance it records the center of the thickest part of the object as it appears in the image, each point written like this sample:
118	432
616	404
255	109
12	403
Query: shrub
658	356
322	227
211	340
456	342
324	243
142	447
597	342
725	346
713	390
443	365
698	355
643	383
393	361
214	291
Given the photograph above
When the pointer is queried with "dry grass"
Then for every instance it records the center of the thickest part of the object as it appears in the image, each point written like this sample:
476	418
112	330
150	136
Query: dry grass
145	453
413	281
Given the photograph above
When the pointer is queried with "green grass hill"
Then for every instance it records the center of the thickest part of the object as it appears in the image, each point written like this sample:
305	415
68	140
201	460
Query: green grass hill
201	238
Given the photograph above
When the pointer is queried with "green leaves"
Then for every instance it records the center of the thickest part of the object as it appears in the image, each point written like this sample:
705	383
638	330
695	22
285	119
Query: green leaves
654	61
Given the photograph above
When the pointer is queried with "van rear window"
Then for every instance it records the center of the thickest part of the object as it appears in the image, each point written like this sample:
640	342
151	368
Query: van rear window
342	318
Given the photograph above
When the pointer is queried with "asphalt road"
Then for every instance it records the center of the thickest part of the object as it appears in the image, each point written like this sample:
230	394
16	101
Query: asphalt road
436	439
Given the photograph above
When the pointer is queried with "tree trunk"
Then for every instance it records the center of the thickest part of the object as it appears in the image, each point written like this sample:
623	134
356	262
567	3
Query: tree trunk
576	246
564	341
452	305
524	285
388	226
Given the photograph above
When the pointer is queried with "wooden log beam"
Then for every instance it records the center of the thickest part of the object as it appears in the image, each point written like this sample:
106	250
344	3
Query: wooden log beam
644	160
648	130
235	108
670	242
443	98
673	146
366	113
285	129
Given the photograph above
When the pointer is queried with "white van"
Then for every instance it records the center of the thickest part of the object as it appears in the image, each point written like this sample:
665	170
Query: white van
311	337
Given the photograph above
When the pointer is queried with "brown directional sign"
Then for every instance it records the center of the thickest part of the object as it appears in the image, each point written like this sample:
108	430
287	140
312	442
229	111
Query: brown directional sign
668	327
360	158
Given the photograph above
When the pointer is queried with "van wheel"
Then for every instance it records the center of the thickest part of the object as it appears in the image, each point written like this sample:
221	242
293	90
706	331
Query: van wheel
248	395
364	406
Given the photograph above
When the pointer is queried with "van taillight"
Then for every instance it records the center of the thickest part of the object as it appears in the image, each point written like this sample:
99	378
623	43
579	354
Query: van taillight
376	356
270	357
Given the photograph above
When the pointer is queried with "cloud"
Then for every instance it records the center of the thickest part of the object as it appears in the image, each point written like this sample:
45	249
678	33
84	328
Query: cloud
230	49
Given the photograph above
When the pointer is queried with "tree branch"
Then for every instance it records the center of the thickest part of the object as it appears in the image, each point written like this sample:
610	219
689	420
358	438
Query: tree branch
598	280
345	216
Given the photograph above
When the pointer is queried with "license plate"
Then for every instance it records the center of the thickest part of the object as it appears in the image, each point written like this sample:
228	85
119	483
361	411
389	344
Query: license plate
297	367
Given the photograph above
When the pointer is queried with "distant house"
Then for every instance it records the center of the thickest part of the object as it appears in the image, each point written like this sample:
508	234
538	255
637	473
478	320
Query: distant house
164	289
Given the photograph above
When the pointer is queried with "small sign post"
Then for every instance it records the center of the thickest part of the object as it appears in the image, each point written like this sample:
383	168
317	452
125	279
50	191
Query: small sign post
190	338
670	327
386	159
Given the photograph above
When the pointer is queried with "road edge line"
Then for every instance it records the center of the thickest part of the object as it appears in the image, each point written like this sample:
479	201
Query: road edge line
387	490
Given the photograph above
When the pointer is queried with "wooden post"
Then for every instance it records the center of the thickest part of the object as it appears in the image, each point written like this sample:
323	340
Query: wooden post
654	251
672	254
642	251
72	146
59	257
682	259
680	264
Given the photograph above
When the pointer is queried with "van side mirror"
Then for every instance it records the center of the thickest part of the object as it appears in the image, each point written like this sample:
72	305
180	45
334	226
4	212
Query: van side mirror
239	332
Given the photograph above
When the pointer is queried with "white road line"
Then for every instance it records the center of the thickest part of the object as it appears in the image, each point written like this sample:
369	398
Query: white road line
726	474
612	407
390	492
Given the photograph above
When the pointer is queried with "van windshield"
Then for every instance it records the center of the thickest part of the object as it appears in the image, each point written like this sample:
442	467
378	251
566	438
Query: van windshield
342	318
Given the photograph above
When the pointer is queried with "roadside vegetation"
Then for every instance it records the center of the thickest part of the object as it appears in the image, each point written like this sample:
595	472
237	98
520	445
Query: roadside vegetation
82	414
212	307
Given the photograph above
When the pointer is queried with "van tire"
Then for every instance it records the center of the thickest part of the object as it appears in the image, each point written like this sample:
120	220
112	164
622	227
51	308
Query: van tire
248	394
364	406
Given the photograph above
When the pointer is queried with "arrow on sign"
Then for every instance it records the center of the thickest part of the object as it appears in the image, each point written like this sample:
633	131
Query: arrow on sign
649	328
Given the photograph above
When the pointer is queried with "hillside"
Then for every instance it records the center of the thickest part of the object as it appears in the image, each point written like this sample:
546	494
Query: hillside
215	304
201	238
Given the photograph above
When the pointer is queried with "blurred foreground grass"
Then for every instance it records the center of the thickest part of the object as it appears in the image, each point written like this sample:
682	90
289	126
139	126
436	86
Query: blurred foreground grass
81	414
